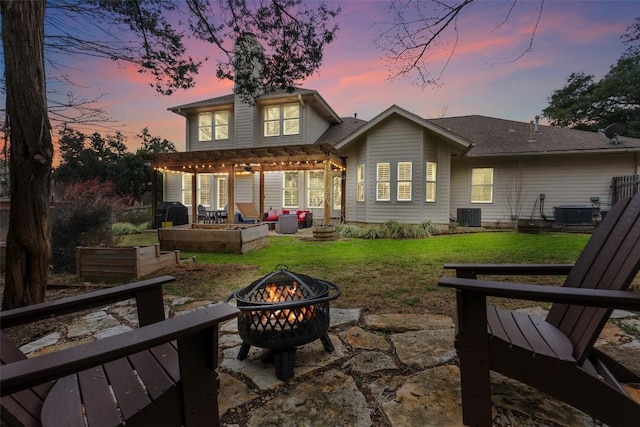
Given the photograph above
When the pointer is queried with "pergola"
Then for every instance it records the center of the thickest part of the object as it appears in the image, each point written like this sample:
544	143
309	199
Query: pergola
254	160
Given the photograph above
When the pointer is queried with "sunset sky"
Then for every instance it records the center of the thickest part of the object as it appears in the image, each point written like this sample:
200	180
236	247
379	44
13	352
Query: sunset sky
481	77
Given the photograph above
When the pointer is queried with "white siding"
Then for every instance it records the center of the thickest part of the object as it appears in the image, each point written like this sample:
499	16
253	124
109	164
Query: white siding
315	125
246	120
565	180
395	140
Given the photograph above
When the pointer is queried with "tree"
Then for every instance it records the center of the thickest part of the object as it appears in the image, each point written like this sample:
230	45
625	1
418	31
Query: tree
294	35
107	159
589	105
422	27
31	153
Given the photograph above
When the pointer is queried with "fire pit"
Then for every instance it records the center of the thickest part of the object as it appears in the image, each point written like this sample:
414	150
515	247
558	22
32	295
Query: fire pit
282	311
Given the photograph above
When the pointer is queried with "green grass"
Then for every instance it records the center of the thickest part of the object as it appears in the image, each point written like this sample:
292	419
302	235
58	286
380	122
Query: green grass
380	275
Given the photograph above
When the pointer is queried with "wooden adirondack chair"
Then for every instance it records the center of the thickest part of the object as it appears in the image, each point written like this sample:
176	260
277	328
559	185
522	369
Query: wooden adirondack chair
556	354
161	374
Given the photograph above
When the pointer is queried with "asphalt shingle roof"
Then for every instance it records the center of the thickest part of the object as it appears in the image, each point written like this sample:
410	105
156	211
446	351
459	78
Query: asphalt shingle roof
493	136
337	132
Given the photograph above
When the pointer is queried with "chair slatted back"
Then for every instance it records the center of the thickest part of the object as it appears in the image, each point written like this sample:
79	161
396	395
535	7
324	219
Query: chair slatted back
610	260
22	408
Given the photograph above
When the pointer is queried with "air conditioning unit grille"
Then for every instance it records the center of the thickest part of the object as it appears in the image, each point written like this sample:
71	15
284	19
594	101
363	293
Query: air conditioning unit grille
469	217
573	215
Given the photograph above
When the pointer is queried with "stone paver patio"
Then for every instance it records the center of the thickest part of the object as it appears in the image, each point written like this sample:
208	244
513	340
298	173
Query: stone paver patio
386	370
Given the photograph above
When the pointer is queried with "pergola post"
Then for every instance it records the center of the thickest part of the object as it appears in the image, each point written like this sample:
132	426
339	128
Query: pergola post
194	198
327	191
231	201
261	203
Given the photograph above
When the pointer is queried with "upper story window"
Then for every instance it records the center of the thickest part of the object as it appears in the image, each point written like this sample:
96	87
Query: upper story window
482	185
283	119
431	182
213	125
383	183
360	183
404	181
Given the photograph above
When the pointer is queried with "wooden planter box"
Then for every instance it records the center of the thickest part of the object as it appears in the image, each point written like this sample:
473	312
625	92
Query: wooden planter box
112	263
223	238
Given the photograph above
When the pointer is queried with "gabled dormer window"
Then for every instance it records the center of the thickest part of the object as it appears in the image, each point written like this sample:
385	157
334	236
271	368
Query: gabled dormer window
282	119
213	125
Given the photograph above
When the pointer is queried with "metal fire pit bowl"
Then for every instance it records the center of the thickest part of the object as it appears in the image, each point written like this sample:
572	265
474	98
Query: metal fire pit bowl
284	310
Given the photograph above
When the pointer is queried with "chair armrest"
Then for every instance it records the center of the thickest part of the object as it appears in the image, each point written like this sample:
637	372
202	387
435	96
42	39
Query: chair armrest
73	304
27	373
471	271
589	297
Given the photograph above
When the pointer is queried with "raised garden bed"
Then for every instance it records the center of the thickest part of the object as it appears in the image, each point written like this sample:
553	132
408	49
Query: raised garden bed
223	238
112	263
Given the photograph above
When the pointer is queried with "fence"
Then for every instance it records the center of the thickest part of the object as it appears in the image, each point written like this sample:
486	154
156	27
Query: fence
624	186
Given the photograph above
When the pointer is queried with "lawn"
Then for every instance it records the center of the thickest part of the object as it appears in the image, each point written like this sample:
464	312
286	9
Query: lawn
377	276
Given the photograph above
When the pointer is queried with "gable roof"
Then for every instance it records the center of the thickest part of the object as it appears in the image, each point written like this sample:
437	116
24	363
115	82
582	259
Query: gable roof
499	137
462	142
306	95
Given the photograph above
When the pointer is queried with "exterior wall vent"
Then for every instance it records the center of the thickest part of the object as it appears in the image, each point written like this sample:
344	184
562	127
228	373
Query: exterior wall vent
469	217
573	215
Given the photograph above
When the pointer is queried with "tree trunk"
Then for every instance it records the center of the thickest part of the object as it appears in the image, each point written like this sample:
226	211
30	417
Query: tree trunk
31	153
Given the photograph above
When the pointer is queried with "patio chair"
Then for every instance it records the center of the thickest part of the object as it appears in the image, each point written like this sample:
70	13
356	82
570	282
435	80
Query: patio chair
203	216
555	355
248	212
162	373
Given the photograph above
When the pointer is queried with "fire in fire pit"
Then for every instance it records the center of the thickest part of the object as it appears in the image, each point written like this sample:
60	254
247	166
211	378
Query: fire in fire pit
281	311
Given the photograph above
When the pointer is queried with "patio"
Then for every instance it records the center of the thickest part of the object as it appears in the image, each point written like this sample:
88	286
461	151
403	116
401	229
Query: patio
387	370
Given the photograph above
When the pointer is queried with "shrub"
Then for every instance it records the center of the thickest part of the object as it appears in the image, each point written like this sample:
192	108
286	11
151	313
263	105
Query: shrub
82	217
347	230
373	232
122	228
133	215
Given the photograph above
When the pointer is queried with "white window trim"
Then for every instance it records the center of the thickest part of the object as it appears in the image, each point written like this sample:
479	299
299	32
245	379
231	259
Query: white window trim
319	189
360	187
281	120
403	181
284	190
491	186
217	127
201	127
380	183
431	182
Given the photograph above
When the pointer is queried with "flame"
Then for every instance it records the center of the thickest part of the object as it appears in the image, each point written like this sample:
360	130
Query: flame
274	293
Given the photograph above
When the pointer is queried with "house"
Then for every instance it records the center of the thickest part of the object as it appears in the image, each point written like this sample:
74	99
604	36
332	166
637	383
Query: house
293	151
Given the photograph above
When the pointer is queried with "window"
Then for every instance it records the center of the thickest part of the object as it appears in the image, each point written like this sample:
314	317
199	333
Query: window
221	193
186	189
272	120
360	184
221	122
285	117
204	189
205	127
290	190
404	181
213	125
482	185
315	189
432	168
383	185
337	192
291	124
